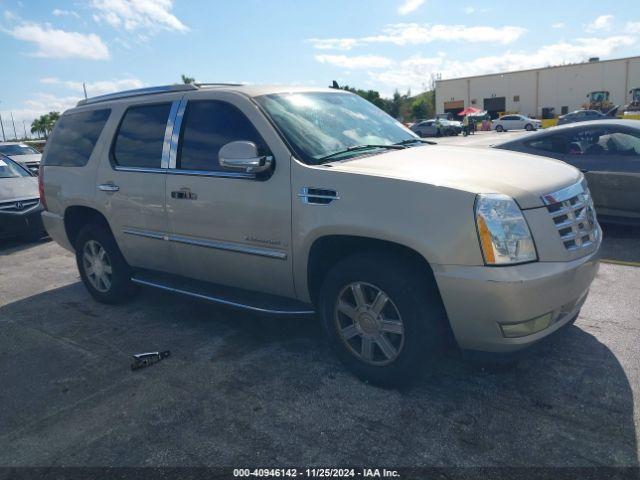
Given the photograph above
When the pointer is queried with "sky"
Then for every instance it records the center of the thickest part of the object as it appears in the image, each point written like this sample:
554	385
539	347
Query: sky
48	49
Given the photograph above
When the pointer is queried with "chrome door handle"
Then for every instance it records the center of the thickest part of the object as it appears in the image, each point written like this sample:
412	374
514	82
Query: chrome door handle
108	187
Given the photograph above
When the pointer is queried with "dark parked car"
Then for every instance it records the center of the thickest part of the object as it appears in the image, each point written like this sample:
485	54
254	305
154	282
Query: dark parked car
431	128
19	201
581	116
607	151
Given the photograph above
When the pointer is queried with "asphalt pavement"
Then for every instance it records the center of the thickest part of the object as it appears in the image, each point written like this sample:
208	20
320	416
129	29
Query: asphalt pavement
243	390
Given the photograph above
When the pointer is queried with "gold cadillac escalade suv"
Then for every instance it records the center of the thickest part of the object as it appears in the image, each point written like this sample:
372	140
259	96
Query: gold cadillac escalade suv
294	201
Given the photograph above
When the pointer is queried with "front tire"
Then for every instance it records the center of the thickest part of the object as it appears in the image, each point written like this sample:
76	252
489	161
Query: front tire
104	271
528	127
383	316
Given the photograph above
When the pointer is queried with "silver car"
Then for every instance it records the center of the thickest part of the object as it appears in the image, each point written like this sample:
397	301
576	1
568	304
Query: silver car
22	153
19	202
606	151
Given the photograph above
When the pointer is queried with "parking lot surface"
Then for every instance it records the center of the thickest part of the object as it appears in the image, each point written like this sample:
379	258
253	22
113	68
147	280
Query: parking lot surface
244	390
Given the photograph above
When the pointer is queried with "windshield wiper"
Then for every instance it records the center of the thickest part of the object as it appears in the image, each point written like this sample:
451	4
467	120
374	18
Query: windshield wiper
356	148
409	141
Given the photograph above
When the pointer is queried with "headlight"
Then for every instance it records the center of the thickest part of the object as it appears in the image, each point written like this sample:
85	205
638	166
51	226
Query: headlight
504	234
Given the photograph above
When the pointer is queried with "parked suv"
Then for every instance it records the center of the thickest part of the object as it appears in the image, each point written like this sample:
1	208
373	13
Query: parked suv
296	201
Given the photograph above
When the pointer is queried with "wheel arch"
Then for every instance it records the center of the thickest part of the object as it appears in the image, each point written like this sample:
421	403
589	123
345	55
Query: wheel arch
327	250
77	216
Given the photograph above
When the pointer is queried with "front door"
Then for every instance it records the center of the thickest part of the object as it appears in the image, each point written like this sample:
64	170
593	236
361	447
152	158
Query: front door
228	227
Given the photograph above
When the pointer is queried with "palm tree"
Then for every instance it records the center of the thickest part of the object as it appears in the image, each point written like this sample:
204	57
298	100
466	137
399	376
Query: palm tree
187	80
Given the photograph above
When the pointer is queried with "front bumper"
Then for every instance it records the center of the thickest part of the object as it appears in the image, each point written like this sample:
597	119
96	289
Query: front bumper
478	300
18	224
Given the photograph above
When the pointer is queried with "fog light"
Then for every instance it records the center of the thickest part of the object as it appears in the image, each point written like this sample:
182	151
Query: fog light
529	327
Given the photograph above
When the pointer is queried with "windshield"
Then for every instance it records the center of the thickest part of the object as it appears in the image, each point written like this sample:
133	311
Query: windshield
17	150
8	169
318	124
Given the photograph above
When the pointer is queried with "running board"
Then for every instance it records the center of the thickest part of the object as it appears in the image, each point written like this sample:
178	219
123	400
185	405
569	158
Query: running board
228	296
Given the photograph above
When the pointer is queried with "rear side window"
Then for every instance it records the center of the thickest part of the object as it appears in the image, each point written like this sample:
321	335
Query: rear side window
74	138
207	126
140	138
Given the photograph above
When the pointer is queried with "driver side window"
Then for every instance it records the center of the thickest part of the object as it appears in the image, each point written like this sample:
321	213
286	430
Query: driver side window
208	125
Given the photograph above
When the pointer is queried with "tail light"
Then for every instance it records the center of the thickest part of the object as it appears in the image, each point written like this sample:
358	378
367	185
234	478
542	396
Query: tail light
43	200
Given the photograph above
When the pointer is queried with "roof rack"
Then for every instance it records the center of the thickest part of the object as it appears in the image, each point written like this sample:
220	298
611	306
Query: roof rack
137	92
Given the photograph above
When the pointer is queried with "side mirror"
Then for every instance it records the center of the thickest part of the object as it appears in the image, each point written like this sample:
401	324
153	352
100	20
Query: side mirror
243	156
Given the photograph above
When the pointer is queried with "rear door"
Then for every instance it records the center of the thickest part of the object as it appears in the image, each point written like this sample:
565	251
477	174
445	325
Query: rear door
229	228
131	183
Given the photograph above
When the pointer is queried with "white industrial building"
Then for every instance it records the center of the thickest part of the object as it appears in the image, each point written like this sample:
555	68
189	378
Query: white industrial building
533	92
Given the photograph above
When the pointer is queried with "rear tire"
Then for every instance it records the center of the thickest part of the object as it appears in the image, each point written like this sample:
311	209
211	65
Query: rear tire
104	271
383	316
499	128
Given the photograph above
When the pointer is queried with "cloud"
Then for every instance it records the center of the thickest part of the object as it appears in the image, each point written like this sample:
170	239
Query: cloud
54	43
415	72
355	62
417	34
602	23
409	6
469	10
632	27
96	88
148	15
64	13
558	25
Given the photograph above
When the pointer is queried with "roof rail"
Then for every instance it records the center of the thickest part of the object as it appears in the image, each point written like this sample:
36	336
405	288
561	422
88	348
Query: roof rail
217	84
137	92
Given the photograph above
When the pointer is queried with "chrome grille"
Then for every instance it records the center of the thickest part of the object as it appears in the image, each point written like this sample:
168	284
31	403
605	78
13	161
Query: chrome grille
19	206
574	216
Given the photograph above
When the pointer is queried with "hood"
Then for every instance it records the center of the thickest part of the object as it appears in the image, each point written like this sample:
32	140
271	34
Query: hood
525	178
18	188
23	159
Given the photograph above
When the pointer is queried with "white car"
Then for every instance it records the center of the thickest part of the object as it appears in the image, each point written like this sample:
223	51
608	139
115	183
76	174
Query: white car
23	154
515	122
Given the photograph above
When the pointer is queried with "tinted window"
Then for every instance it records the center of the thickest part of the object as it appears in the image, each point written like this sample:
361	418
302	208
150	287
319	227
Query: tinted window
74	137
604	141
552	143
509	117
141	136
207	126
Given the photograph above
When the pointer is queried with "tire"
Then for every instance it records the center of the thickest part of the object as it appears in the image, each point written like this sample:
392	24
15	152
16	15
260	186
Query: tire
415	321
112	282
528	127
499	128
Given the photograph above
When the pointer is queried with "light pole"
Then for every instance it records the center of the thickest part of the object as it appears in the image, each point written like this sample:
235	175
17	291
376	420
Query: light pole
4	139
15	135
24	127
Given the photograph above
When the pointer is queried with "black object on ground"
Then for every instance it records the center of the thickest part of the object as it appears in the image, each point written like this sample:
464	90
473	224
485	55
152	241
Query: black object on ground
142	360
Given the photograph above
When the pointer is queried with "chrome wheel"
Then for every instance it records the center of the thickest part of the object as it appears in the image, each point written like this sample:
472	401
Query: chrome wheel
369	323
97	266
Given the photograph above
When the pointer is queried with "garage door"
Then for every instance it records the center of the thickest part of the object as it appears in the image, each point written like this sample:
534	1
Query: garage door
495	105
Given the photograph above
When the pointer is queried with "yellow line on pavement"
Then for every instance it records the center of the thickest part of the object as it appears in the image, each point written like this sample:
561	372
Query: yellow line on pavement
620	262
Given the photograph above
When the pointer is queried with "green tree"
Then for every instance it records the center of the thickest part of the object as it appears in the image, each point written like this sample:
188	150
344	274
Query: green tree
43	125
187	80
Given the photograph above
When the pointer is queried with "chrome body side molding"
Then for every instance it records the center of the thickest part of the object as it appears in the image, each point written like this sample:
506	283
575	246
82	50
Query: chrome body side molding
227	246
